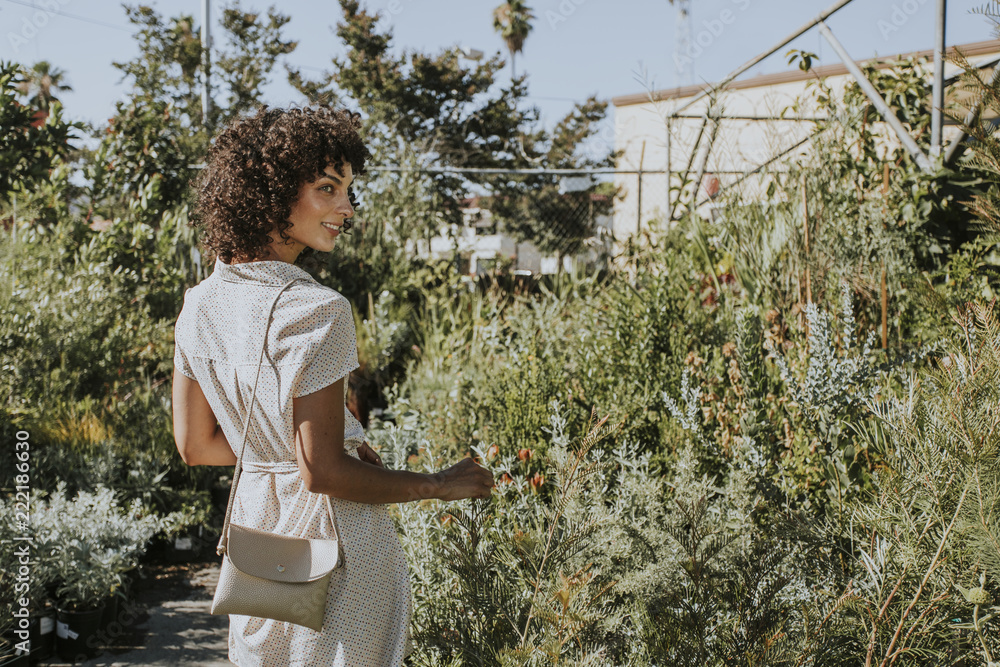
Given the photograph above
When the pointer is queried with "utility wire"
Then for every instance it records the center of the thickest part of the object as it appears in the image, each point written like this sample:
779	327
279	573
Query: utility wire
30	5
68	15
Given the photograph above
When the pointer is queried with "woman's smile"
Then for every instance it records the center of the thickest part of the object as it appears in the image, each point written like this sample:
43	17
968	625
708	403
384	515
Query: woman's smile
324	202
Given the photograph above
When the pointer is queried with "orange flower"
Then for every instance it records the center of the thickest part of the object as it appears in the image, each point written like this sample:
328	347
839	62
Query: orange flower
537	481
492	452
525	454
506	479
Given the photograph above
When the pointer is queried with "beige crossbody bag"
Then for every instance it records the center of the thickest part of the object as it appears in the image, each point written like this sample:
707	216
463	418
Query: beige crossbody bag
268	575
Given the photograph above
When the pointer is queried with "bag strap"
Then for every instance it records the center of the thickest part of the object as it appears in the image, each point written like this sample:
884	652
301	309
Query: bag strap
224	539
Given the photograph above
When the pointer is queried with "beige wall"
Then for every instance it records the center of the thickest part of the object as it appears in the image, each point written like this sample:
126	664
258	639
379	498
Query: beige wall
741	145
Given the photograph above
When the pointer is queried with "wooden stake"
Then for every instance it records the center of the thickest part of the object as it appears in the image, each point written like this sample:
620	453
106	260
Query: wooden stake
805	226
885	312
885	291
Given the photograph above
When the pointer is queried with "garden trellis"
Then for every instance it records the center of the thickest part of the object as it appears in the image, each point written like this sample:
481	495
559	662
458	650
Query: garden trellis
688	188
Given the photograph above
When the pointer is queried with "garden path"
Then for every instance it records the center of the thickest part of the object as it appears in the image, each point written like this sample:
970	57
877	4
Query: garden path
168	623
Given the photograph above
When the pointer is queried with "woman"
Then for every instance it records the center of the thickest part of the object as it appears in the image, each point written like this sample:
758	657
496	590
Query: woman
277	183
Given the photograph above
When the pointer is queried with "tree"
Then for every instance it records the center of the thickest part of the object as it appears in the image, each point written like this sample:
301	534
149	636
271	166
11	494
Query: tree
442	111
152	146
28	148
44	81
513	21
431	110
533	208
256	46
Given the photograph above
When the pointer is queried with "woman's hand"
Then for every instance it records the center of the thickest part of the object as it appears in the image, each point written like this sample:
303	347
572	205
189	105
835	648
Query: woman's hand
368	455
465	479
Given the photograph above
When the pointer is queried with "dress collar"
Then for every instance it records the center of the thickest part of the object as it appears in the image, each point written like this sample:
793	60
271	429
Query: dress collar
270	272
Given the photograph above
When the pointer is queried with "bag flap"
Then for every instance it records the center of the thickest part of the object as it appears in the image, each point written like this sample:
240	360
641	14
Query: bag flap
267	555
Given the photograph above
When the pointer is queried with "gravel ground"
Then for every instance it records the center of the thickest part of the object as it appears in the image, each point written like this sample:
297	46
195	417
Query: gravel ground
168	623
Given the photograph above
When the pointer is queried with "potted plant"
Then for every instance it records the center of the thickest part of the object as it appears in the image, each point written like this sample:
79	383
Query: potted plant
41	596
12	627
86	576
183	531
89	544
42	608
10	653
42	631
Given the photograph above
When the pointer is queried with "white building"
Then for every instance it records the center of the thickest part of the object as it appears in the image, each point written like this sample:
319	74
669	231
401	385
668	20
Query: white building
480	249
750	138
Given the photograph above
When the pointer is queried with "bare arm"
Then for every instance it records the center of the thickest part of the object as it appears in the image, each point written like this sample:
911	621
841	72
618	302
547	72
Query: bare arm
197	435
326	468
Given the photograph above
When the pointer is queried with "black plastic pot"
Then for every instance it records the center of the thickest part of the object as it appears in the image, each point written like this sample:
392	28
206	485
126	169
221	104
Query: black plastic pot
111	626
77	634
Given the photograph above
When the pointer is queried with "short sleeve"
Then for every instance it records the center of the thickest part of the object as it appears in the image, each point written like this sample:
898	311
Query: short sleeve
332	352
181	362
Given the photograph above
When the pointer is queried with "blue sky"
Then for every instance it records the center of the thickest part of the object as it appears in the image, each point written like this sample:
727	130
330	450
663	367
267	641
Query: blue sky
577	48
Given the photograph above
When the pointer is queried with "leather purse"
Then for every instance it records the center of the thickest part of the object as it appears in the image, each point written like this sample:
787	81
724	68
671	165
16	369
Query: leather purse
268	575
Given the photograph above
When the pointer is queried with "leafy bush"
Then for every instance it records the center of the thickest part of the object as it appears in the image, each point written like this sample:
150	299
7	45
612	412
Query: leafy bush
84	546
524	578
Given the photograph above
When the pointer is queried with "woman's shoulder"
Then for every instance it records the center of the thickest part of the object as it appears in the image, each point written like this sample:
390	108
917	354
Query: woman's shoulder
311	292
310	300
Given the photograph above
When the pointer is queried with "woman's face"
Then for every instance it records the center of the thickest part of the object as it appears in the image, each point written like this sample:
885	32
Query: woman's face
317	216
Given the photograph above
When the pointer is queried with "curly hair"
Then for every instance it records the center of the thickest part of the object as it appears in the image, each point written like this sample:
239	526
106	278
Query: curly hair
257	166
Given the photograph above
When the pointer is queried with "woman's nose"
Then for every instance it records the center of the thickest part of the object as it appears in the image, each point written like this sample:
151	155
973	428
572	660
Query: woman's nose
344	207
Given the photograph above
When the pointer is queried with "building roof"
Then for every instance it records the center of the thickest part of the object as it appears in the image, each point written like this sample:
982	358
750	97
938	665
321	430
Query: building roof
971	50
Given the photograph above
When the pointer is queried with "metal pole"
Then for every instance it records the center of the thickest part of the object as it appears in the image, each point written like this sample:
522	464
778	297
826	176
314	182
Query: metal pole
908	143
957	146
669	143
938	104
638	213
742	68
206	62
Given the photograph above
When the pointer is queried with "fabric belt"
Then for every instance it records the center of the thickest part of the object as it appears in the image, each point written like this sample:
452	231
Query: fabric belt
270	466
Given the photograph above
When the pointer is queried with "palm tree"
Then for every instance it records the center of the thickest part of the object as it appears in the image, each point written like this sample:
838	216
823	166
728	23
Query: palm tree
44	81
512	21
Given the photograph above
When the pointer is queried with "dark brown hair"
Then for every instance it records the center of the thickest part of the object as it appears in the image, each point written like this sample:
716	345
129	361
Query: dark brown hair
256	167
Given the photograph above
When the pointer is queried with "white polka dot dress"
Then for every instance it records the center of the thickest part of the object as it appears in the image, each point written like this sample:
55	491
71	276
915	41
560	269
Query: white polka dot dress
311	344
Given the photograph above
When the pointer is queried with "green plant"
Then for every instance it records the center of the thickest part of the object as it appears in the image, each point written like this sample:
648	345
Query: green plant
89	542
978	597
29	146
929	521
838	379
524	574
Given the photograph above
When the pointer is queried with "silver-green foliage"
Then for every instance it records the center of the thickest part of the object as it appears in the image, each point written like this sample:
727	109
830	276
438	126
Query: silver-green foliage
525	578
930	521
83	546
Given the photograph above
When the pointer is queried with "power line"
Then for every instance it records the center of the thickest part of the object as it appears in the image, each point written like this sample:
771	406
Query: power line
68	15
117	27
312	68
